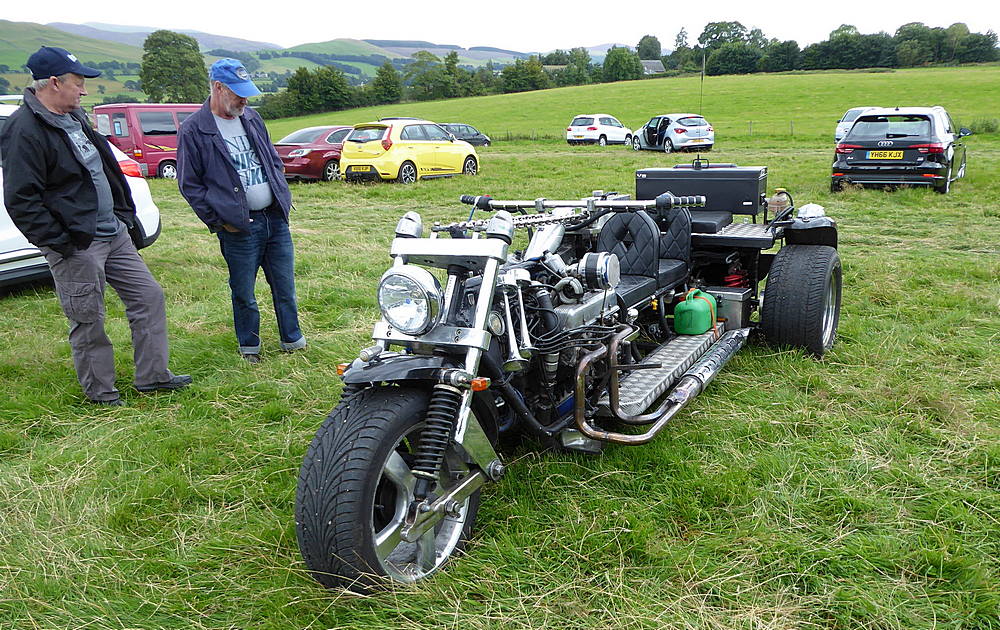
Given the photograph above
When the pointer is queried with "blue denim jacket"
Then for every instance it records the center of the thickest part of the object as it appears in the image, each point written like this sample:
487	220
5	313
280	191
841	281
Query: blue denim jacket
207	178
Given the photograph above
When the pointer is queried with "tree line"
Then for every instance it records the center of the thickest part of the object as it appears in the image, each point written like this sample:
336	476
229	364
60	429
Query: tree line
173	68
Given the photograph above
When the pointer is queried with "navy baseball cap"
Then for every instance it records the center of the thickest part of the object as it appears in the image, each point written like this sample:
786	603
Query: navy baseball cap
234	76
49	61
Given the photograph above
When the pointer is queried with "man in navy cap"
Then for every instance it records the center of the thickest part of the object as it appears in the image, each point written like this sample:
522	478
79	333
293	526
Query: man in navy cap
232	177
64	190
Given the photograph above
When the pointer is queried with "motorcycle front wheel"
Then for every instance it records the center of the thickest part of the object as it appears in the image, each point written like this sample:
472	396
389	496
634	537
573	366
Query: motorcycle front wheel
354	488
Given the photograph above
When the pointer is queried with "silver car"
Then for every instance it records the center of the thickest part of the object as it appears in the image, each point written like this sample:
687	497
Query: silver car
674	132
847	121
20	261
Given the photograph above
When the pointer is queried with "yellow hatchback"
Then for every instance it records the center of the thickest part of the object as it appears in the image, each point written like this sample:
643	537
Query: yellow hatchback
405	150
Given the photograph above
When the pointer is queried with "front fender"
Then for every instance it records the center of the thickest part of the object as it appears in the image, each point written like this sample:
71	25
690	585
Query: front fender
399	367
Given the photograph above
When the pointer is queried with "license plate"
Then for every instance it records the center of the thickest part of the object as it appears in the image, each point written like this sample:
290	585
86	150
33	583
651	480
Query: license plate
360	169
885	155
698	140
577	136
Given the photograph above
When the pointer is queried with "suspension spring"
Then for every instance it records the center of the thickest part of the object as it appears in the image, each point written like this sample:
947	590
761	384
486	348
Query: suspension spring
442	410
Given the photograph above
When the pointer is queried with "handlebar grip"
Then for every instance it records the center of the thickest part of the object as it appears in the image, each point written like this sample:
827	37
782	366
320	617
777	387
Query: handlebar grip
667	201
482	202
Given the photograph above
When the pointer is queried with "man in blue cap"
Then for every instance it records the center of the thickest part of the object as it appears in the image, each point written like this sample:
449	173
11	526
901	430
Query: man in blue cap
232	177
64	190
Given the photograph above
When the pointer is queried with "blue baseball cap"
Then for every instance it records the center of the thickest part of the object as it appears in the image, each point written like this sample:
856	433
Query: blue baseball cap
49	61
234	76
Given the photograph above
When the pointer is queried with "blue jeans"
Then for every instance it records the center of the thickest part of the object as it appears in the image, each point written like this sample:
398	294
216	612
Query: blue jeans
267	245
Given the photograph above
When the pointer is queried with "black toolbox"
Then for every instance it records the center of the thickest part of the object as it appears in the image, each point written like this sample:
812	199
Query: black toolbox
727	187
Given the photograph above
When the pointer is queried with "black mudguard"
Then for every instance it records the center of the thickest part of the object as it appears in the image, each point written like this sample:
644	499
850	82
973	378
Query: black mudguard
399	367
815	231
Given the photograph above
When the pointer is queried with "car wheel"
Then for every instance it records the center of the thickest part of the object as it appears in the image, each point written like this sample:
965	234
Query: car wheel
331	171
668	146
167	170
801	304
628	140
407	173
470	167
945	187
636	144
836	186
486	144
602	141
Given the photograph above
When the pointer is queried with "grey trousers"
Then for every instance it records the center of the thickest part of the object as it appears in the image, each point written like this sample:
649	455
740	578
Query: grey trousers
80	281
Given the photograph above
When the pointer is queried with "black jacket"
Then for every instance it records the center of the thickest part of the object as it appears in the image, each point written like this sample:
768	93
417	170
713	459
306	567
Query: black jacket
49	193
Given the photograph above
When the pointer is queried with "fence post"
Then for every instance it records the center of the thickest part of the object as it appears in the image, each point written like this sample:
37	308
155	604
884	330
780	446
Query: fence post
751	128
791	127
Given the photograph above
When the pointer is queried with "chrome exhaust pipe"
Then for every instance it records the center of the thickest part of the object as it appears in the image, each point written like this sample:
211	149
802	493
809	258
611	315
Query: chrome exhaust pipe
690	384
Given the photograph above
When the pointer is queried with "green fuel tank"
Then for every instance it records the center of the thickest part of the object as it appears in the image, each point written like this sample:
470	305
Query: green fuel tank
696	314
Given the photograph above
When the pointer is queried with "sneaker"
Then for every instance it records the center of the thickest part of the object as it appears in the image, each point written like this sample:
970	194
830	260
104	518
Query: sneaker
111	402
178	381
252	359
293	346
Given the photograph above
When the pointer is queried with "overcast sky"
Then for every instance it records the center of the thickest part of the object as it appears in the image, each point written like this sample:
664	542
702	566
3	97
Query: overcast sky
522	25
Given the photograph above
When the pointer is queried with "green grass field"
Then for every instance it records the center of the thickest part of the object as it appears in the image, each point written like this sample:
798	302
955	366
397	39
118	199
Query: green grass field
860	491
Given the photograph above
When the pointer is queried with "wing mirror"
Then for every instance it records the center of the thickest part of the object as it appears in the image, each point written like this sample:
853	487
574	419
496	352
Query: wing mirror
964	131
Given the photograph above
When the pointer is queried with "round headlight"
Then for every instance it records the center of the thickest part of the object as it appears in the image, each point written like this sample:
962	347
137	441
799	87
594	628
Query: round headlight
410	299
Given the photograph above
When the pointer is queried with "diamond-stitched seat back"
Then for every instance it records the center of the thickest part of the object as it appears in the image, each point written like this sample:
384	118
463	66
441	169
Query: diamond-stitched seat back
634	238
675	240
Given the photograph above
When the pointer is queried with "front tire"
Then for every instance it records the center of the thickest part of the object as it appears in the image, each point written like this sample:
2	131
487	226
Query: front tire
354	488
636	143
407	173
802	298
470	167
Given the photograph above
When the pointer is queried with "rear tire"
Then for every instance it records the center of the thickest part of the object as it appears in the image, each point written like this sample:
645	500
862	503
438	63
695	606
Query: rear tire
167	169
636	143
602	141
668	146
944	188
802	298
355	485
331	171
407	173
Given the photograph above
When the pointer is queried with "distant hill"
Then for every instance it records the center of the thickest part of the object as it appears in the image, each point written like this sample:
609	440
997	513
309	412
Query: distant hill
136	35
19	39
345	46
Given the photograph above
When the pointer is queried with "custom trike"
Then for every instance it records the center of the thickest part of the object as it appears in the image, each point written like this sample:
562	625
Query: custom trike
614	316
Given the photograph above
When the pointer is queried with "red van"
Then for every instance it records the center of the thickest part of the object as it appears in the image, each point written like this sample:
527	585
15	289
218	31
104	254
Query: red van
146	132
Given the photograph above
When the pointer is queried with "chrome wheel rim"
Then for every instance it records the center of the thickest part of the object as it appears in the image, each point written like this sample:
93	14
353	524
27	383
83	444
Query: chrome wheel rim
470	167
602	141
408	174
169	172
636	144
830	309
400	560
331	171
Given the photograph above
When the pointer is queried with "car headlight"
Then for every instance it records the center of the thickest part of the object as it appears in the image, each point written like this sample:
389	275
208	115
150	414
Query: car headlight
410	299
299	152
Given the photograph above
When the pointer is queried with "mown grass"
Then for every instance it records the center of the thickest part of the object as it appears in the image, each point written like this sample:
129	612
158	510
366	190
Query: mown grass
861	491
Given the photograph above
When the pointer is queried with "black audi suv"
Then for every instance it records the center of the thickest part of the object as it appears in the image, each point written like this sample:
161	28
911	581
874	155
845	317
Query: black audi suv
916	146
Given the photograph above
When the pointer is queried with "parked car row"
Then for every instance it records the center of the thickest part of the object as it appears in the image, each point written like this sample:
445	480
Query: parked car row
663	132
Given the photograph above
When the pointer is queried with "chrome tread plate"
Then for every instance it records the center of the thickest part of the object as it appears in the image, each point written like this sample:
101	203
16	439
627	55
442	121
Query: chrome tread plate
640	389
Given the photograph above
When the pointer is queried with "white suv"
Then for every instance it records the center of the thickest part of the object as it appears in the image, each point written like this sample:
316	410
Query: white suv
20	261
602	129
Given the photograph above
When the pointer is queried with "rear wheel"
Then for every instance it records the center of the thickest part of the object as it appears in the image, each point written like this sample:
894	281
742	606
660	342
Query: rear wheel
470	167
836	185
628	140
945	186
602	141
355	485
167	169
802	298
636	144
668	146
331	171
407	173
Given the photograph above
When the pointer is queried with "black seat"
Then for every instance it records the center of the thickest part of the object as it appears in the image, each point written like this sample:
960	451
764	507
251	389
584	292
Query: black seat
635	239
710	221
675	247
